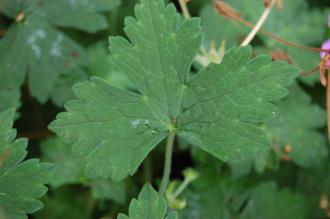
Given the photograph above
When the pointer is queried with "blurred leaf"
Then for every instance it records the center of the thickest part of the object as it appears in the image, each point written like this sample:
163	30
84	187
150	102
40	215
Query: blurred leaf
108	190
264	160
9	99
296	126
65	203
101	66
80	14
266	201
293	136
309	29
218	29
44	53
213	196
62	91
68	169
315	183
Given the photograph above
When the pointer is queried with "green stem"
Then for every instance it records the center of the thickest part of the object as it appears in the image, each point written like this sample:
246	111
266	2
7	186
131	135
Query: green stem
168	163
181	188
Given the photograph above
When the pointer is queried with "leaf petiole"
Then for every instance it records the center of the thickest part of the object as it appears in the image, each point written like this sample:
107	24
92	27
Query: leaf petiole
167	163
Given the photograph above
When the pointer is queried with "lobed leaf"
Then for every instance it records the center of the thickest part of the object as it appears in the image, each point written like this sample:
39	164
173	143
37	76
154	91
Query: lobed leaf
219	109
149	205
266	201
21	183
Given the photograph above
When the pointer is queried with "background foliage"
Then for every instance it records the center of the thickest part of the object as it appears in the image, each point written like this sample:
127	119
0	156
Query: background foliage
56	44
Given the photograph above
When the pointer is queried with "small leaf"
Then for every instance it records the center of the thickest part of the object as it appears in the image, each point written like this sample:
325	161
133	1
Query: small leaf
149	205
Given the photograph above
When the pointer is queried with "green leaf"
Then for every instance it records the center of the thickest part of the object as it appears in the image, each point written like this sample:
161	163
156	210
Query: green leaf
108	190
225	103
293	129
265	160
68	169
62	91
315	183
228	198
44	54
83	15
223	197
217	29
149	205
266	201
66	202
100	66
130	129
9	99
218	110
21	183
297	126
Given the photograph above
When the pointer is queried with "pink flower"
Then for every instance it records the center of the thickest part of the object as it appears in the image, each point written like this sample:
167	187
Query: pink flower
325	45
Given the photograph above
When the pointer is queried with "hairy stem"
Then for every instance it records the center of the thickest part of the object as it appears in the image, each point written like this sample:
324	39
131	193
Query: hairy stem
184	8
259	24
167	163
